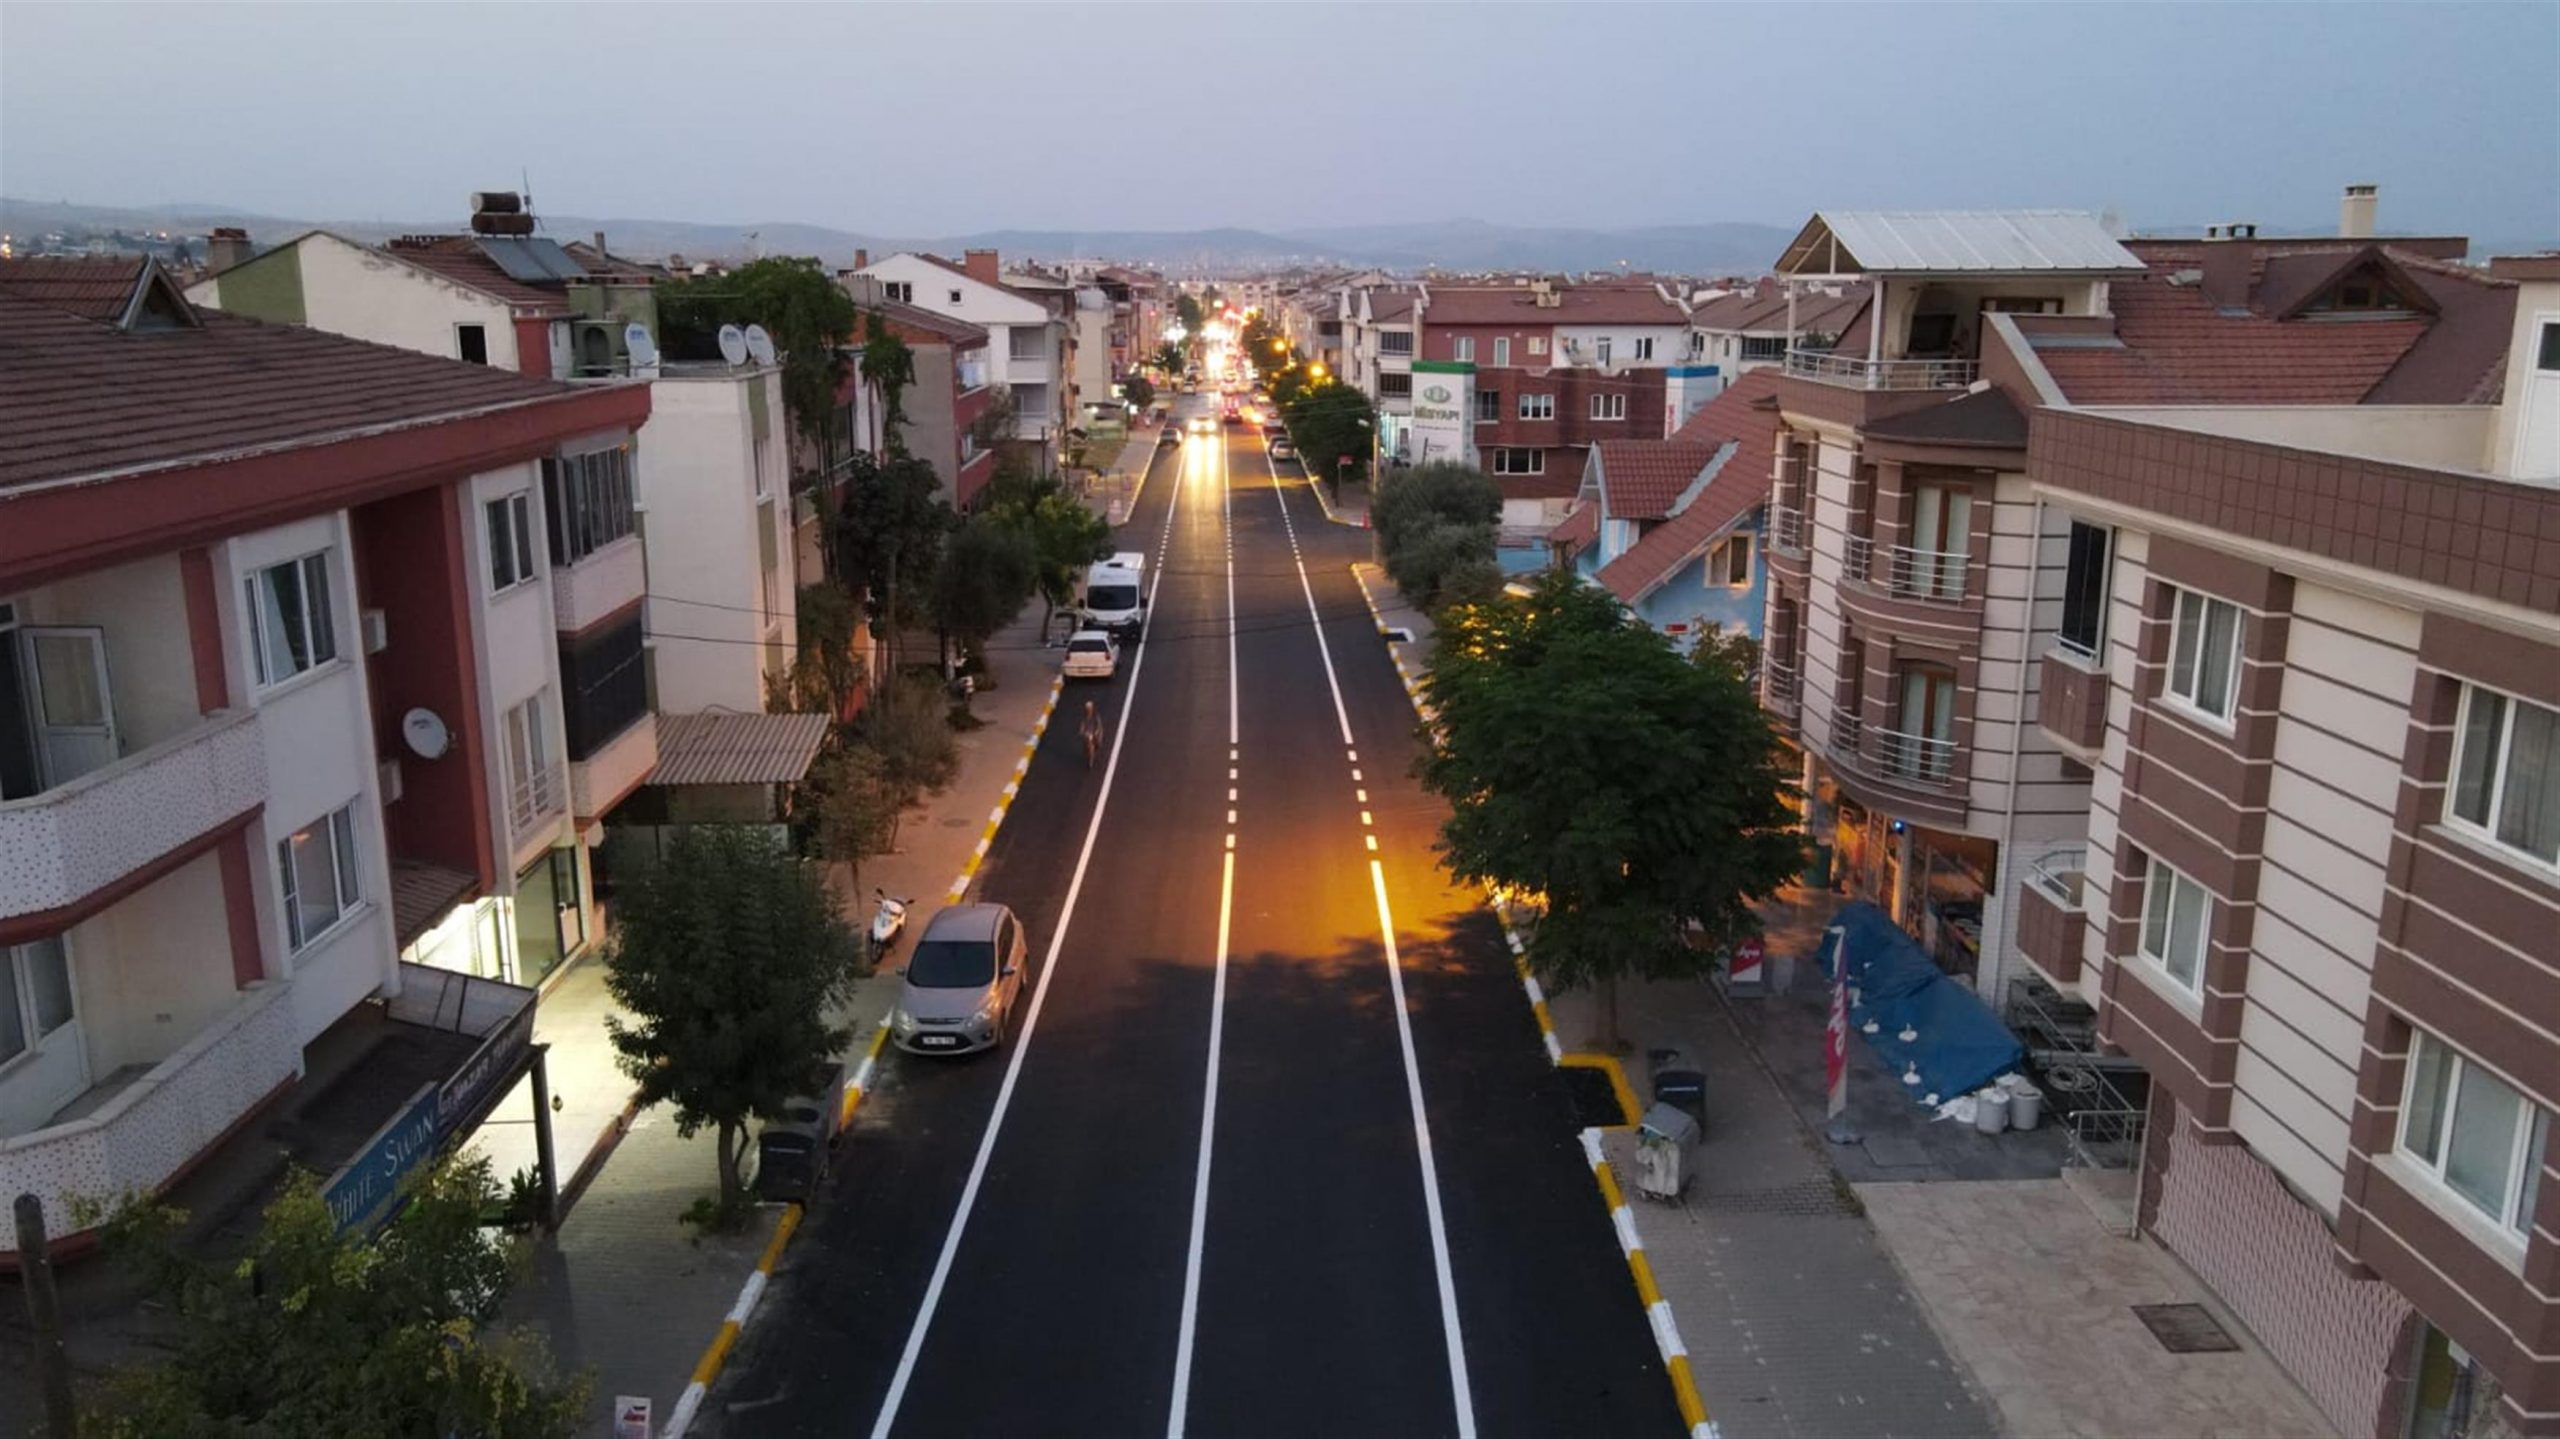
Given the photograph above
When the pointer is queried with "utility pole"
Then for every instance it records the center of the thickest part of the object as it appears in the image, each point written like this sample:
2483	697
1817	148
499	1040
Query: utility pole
44	1314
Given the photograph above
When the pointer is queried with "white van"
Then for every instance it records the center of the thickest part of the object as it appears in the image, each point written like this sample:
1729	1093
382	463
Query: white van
1115	594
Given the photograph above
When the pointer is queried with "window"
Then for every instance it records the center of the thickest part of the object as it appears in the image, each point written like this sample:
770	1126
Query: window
2084	591
604	677
1518	461
1537	344
2204	653
1730	562
471	342
1537	407
1764	348
533	781
2506	773
902	291
291	628
1024	342
1463	348
2177	918
955	297
510	541
1502	350
1394	387
1644	347
318	867
590	502
1697	344
1608	407
1488	406
35	994
1601	348
2547	352
2471	1132
1395	342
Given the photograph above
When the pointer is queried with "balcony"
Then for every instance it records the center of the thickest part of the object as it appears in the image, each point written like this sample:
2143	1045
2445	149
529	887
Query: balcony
1786	529
533	799
135	1137
83	835
599	781
1857	373
1913	758
1779	687
2051	920
2072	700
1894	771
607	580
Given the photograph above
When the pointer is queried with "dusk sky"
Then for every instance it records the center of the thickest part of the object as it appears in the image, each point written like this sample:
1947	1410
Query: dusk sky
916	120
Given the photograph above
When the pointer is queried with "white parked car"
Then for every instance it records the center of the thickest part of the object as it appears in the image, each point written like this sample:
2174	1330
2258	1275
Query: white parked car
1091	655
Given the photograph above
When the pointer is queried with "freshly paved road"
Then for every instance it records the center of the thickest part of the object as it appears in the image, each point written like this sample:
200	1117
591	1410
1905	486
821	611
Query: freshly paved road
1064	1236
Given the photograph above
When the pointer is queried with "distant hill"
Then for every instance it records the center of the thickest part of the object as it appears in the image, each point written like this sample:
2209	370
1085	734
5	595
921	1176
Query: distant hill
1456	245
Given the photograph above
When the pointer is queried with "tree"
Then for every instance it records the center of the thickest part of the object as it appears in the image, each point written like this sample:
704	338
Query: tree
1065	535
809	316
316	1333
853	805
1446	564
1136	389
1640	795
1186	312
1428	496
1168	358
888	368
910	730
825	667
1330	421
987	576
887	539
728	956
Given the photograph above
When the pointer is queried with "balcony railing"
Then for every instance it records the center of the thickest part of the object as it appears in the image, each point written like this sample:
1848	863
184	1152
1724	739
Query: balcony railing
2058	874
1857	559
1778	688
532	798
1786	529
1926	574
80	836
1858	373
1848	735
1918	758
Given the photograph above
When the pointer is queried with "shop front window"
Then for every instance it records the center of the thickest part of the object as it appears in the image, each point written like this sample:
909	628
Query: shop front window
548	924
2453	1398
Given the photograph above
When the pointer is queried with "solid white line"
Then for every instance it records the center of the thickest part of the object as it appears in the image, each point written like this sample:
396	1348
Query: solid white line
888	1416
1200	1184
1227	498
1459	1392
1339	713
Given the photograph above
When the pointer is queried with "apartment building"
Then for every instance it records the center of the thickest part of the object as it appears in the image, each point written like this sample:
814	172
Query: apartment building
1028	334
1377	360
2179	631
1735	332
952	388
277	701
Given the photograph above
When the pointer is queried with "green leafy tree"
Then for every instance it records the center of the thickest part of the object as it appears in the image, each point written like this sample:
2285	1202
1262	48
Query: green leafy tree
316	1334
826	667
887	539
908	727
1427	497
987	577
853	805
1138	391
888	368
1168	359
728	956
1585	762
1330	421
1065	535
809	315
1446	564
1187	313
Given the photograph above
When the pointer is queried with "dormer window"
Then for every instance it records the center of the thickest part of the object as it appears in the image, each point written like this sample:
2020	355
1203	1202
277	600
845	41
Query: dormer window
2363	293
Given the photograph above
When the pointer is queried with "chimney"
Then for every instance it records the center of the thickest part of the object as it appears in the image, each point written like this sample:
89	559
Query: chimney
226	247
600	249
2355	212
861	258
981	265
2228	251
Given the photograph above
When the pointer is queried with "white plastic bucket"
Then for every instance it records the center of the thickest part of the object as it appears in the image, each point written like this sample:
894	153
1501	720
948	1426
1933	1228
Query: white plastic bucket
1991	1109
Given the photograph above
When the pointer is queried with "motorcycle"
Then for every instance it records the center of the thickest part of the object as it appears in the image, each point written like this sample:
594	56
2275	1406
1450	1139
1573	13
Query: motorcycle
886	922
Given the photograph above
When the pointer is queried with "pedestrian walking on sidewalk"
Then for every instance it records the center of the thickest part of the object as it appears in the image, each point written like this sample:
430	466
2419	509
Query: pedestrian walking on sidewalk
1092	731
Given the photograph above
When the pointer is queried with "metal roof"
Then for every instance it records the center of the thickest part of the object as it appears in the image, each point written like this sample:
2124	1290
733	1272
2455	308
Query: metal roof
729	747
1942	242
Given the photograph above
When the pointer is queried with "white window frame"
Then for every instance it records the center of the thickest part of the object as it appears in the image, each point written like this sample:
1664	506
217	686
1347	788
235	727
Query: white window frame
2493	810
1644	347
2161	893
1697	344
1537	344
900	291
2187	668
511	555
338	830
532	772
1501	351
2525	1146
1729	564
18	987
1505	456
1537	407
322	635
1463	348
1608	407
1601	348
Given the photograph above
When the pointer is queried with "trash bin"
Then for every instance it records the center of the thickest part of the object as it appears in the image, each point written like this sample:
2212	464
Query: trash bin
1678	1082
1991	1109
791	1157
2026	1102
1817	866
1665	1142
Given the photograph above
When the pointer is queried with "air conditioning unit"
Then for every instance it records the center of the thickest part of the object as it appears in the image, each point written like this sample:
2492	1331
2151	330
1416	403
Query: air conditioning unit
386	781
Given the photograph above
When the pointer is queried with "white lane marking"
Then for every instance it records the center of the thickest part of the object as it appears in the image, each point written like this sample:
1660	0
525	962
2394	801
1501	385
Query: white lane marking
1227	499
1208	1141
1340	714
888	1416
1459	1392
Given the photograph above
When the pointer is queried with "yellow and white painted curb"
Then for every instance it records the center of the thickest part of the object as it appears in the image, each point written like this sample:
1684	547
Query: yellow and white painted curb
688	1404
1666	1330
1326	505
1012	788
1657	1310
1404	672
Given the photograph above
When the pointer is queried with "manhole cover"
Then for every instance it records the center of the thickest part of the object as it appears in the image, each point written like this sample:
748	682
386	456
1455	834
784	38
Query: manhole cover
2185	1328
1595	1103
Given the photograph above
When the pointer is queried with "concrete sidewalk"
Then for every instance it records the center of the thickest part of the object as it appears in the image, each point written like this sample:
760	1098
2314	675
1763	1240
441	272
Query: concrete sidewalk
623	1290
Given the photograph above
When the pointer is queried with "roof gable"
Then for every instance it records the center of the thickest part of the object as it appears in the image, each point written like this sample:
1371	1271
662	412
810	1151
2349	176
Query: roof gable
129	292
1941	242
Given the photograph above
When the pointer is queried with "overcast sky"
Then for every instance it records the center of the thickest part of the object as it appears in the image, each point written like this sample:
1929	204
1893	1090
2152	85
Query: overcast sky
935	120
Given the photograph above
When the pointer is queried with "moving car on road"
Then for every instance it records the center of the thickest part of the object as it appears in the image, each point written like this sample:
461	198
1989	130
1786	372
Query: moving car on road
1091	656
1204	425
1114	599
960	986
1281	449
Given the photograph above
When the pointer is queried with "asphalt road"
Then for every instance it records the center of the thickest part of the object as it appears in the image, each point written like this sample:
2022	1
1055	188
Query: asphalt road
1372	1218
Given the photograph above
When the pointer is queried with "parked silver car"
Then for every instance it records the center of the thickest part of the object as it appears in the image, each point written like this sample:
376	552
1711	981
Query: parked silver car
962	981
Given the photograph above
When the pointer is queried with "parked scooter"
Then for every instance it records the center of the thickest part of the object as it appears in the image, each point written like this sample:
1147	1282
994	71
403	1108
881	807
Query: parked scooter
886	923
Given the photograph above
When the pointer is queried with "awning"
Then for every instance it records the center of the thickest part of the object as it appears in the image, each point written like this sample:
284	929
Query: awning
422	894
727	747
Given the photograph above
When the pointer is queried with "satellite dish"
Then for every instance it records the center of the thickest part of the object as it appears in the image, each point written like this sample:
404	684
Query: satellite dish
642	349
760	344
733	344
425	734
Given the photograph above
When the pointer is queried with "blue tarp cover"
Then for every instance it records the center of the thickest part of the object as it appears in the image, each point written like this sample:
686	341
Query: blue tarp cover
1961	1044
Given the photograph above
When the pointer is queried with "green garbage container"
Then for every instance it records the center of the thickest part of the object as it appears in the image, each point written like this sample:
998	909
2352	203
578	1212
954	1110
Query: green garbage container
1817	866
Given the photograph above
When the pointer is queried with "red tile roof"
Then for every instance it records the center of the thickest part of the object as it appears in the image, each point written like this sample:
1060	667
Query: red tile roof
1578	530
2178	347
459	259
1640	479
1765	312
82	398
915	322
1737	417
1575	305
96	289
